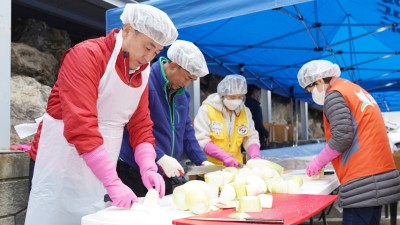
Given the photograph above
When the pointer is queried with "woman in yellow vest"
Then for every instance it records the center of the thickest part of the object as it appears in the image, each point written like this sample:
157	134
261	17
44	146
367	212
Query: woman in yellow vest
356	143
223	124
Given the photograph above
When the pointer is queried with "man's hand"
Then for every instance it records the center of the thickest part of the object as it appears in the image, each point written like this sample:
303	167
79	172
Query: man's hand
154	180
170	166
145	157
102	166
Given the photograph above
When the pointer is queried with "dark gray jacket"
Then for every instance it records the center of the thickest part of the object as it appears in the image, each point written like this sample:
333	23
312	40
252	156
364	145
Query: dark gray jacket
375	190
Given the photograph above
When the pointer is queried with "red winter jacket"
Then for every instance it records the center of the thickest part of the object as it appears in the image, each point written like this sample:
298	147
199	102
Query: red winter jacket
74	96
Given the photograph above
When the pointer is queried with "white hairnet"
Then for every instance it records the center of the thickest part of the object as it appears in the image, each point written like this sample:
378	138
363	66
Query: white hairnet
189	57
315	70
232	85
150	21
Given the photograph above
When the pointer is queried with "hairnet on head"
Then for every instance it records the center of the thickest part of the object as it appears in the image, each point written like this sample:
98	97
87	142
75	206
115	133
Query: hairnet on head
189	57
232	85
150	21
315	70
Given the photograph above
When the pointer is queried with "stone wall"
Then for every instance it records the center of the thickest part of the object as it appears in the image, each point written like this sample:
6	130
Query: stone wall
14	172
35	52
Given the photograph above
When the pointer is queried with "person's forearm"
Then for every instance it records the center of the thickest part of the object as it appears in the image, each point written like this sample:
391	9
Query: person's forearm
341	123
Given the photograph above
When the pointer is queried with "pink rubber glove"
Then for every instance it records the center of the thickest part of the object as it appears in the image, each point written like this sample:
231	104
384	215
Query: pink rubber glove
323	158
104	169
253	151
145	157
214	151
24	147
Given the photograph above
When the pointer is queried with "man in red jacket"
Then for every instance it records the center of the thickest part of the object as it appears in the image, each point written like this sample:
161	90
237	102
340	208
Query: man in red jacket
101	87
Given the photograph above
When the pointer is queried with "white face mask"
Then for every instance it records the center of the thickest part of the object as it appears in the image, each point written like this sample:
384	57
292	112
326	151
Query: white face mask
232	104
318	97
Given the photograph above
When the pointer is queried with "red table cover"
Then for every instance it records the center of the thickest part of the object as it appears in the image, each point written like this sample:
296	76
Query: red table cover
293	208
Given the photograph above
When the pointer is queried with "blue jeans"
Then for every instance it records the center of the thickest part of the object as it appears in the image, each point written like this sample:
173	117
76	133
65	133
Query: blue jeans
362	216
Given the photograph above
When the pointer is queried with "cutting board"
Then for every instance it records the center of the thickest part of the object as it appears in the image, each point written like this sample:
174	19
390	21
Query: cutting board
293	208
162	215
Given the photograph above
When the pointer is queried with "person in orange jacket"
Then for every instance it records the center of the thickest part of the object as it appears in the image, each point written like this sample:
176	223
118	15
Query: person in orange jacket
356	143
101	87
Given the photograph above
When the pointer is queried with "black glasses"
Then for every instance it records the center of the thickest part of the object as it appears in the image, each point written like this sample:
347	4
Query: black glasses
310	85
307	88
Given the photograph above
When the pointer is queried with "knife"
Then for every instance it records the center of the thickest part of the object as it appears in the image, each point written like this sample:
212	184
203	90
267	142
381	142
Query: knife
242	220
197	170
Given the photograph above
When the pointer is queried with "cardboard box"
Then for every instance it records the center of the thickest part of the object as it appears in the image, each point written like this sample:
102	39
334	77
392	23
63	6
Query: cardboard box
396	156
269	127
279	132
290	132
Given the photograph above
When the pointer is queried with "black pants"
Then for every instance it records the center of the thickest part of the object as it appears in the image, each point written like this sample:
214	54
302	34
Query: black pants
31	169
132	178
362	216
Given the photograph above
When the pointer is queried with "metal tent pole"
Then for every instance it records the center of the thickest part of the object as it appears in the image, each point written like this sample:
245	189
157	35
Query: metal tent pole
5	65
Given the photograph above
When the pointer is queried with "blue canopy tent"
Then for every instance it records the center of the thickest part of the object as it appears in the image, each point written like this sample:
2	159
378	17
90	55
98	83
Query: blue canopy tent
268	41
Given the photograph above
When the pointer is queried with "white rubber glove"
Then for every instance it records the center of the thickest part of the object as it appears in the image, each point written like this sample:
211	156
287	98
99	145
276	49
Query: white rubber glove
170	166
207	163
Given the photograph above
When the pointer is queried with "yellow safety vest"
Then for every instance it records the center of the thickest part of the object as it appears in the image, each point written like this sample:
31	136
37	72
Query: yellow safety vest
220	135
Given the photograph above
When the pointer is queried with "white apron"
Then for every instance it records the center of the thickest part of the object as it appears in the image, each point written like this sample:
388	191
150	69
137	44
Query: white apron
64	188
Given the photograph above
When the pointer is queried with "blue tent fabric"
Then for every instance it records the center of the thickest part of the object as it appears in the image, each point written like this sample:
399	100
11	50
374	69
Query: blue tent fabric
293	151
188	13
268	42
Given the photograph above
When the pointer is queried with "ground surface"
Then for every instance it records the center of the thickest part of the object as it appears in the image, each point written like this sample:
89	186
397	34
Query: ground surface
335	217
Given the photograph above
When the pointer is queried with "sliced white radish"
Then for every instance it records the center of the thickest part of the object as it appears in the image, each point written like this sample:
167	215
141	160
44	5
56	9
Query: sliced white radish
240	188
298	179
272	181
151	199
253	190
319	175
179	195
293	187
249	204
195	184
228	193
198	201
279	187
231	169
215	179
258	171
256	180
263	162
266	200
